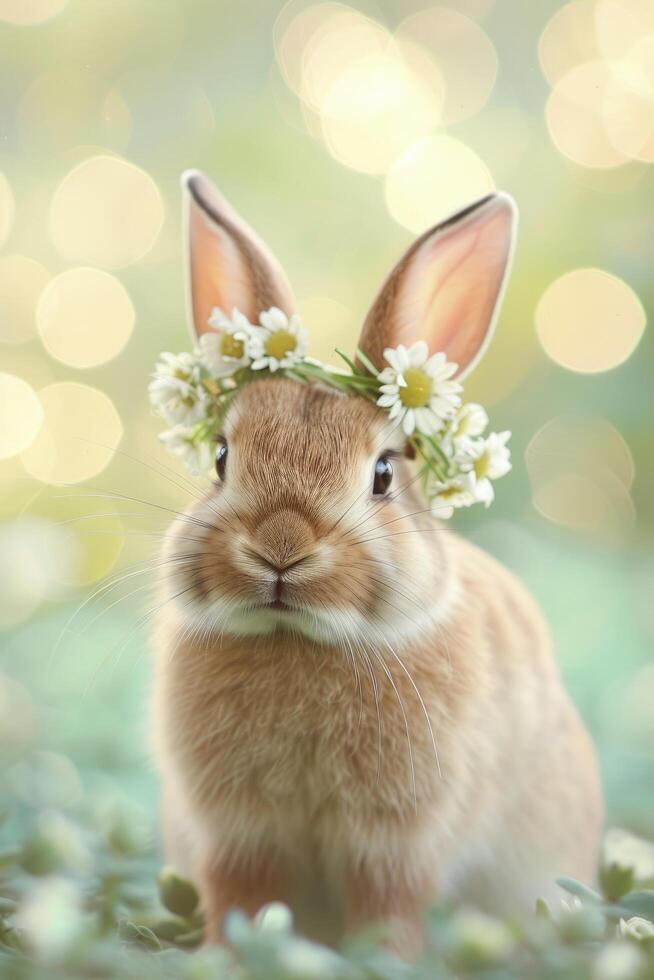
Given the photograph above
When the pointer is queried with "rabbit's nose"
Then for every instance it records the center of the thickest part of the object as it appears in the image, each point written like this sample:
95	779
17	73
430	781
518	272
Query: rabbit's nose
277	569
283	539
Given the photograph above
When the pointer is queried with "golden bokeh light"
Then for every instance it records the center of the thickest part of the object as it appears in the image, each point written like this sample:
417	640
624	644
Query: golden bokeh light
581	471
636	69
22	280
590	447
366	94
375	108
578	501
40	559
599	56
621	24
85	317
574	114
7	209
30	11
21	415
569	39
342	40
80	433
589	320
432	179
59	105
464	53
294	27
628	106
106	212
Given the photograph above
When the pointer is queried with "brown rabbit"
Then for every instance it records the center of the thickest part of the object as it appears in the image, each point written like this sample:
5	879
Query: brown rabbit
357	712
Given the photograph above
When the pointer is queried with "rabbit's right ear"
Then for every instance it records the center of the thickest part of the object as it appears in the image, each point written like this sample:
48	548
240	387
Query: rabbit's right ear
227	263
447	288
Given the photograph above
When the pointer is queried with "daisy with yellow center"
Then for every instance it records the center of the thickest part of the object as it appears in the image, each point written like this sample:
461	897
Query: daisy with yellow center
417	389
174	390
223	349
458	463
279	343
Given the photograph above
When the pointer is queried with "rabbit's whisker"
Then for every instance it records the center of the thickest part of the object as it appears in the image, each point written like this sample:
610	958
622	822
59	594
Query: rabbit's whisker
178	563
366	489
375	690
149	564
114	495
379	505
374	559
160	469
120	646
420	699
384	667
382	537
392	588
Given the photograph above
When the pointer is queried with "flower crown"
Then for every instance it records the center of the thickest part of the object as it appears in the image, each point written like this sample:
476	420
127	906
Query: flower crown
192	391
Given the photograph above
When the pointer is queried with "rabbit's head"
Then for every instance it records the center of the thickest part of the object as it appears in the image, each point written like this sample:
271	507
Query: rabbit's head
315	523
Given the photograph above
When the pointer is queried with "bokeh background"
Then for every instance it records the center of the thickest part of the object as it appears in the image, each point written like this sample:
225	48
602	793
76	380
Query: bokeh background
339	131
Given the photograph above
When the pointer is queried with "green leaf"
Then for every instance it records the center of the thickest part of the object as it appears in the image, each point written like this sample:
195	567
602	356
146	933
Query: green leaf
581	891
190	939
639	903
40	857
179	895
169	929
615	880
367	363
543	909
7	906
139	935
294	376
350	363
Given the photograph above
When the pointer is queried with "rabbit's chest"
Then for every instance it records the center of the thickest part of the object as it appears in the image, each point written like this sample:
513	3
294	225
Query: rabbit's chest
305	745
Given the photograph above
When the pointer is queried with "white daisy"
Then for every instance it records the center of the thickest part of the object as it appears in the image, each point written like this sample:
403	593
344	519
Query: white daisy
175	390
637	928
417	388
489	458
280	341
485	460
468	422
196	454
446	496
223	349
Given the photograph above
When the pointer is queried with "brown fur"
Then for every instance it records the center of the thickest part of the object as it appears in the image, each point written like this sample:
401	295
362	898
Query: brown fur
401	736
287	773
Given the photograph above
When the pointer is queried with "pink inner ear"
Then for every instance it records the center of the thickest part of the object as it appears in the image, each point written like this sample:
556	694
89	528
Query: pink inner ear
218	276
229	265
452	285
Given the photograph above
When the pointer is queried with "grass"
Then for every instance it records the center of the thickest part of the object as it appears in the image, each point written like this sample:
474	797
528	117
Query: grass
80	897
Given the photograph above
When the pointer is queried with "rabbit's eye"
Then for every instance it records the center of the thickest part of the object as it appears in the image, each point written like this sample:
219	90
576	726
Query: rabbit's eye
221	458
383	476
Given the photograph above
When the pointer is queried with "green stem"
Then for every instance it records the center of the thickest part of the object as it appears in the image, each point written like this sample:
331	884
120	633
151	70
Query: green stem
369	366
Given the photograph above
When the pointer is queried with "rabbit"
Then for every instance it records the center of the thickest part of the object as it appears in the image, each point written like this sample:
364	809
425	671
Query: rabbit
356	711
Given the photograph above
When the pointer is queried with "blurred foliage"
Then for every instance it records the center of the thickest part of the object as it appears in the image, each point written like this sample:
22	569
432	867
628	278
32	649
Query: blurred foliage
78	898
101	107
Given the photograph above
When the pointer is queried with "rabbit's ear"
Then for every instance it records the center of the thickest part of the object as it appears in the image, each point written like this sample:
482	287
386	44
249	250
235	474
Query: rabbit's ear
447	287
227	263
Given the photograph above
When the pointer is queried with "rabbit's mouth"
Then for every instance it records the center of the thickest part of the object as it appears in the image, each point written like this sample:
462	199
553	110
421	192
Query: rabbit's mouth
278	605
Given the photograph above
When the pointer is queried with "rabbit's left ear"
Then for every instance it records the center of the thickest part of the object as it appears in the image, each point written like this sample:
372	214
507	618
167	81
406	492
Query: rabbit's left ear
228	264
447	288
